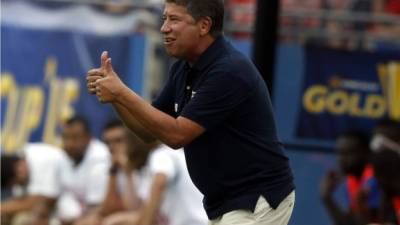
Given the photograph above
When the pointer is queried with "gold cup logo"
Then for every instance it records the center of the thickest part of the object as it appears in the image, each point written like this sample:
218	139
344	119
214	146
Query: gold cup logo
389	77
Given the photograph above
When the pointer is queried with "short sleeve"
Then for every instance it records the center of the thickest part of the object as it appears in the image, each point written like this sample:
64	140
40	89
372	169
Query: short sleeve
217	97
161	161
44	179
95	171
45	165
97	183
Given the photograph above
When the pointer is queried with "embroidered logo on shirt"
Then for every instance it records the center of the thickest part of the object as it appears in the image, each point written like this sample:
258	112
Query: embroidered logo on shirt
176	107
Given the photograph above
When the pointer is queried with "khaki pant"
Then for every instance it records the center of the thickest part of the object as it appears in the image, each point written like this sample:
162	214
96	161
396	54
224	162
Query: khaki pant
263	214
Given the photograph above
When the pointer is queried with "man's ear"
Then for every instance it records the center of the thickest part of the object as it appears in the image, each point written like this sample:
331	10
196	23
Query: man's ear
205	25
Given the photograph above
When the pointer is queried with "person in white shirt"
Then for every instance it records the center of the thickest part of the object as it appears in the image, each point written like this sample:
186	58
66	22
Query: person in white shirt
121	193
167	194
149	184
84	175
41	168
73	181
168	179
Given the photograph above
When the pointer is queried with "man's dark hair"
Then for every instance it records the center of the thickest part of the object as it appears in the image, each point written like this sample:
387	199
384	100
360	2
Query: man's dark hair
113	124
8	164
80	120
389	128
202	8
361	137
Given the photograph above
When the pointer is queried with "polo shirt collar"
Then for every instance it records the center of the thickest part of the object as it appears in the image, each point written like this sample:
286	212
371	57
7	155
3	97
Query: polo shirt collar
210	54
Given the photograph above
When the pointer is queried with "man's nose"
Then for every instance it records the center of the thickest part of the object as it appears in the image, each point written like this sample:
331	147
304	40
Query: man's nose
165	28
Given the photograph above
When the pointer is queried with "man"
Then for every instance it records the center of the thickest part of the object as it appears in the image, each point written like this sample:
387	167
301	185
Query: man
10	177
386	163
72	182
118	197
361	187
37	173
216	105
149	184
168	195
121	197
84	173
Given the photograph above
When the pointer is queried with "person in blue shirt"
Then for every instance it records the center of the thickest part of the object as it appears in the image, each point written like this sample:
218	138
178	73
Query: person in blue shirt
216	105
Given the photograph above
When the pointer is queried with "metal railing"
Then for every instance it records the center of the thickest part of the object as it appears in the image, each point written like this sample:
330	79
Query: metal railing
127	3
352	26
342	16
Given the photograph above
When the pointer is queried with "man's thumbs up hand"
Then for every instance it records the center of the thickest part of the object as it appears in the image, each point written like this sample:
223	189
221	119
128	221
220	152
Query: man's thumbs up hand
104	82
103	59
97	73
106	65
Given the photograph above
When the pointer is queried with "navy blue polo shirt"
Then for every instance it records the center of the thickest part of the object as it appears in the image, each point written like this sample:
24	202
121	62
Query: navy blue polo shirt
239	157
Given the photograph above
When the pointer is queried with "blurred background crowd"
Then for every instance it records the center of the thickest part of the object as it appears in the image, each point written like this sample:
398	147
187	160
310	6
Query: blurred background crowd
334	78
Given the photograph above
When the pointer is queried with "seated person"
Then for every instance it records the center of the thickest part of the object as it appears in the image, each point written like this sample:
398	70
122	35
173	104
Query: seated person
84	173
121	195
361	187
37	173
386	162
153	187
13	175
70	181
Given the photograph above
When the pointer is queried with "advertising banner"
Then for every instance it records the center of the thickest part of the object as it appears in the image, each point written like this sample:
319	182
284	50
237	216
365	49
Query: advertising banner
345	91
43	80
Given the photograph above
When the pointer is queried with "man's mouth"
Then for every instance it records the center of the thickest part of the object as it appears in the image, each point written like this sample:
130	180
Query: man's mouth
168	41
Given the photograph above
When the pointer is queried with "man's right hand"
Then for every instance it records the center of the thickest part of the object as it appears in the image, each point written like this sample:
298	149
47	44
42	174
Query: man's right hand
120	160
105	82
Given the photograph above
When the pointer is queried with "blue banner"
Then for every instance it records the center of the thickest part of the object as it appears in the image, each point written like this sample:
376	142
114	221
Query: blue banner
43	80
345	90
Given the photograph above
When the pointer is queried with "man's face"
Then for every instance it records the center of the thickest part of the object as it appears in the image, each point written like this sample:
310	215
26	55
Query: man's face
75	140
351	156
116	140
181	32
